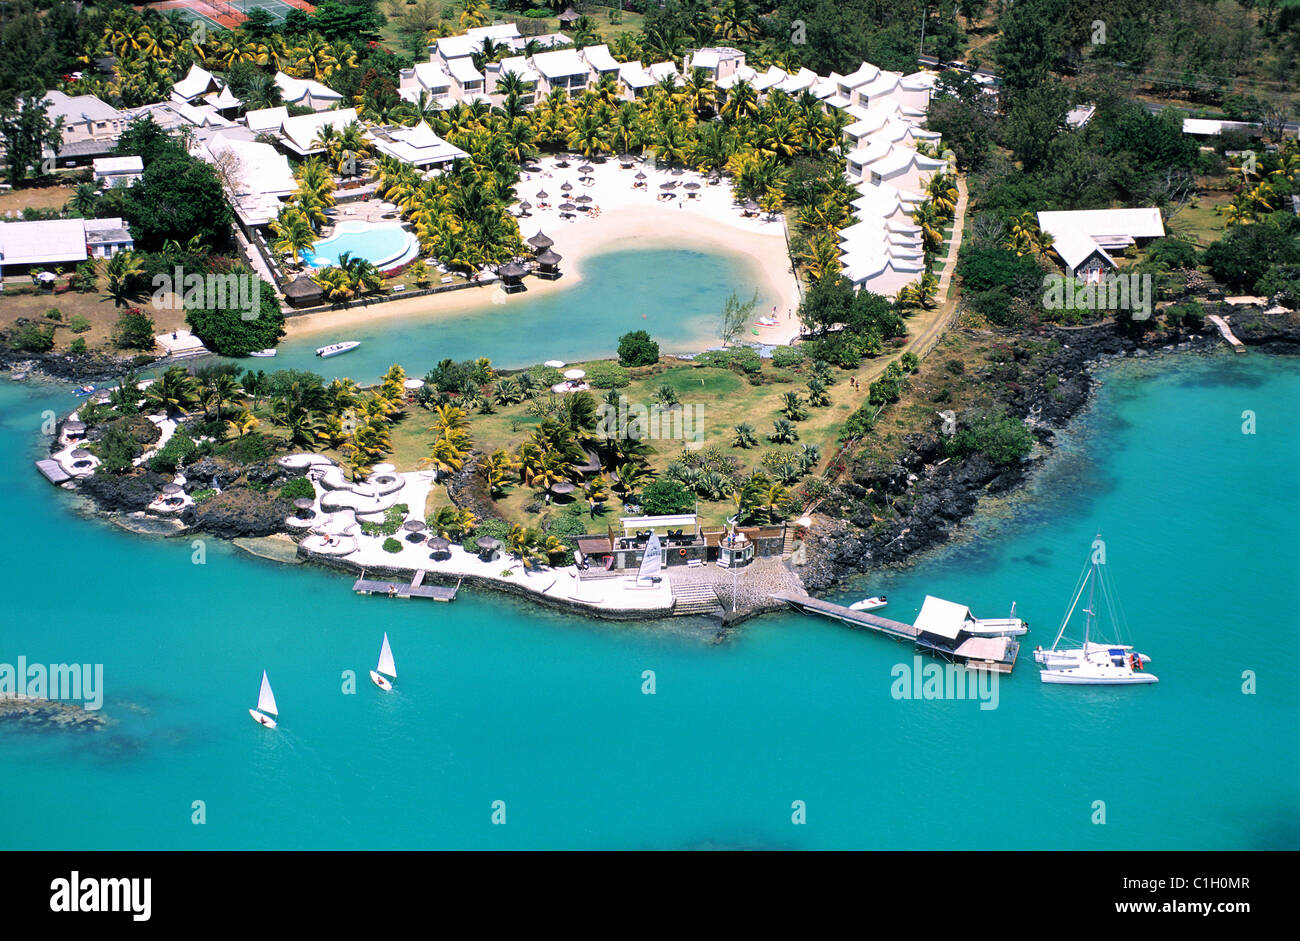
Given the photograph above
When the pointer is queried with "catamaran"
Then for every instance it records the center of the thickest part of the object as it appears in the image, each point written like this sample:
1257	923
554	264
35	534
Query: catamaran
266	707
1092	663
383	674
334	349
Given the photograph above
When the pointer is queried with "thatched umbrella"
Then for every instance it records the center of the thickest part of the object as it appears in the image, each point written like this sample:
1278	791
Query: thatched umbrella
567	207
678	171
692	185
79	454
542	194
586	168
540	242
549	258
302	505
566	186
751	206
413	526
172	489
584	198
74	427
302	291
640	175
667	186
487	545
439	546
512	271
525	206
563	488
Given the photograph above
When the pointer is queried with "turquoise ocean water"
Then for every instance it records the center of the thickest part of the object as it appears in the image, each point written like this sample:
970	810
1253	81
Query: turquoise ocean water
498	702
676	295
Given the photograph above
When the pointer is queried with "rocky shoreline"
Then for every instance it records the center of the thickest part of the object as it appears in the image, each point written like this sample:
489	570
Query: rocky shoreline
939	496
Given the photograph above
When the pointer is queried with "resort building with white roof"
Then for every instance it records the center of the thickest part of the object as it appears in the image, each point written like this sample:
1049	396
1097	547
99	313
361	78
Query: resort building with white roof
418	145
306	92
90	126
1085	240
299	133
110	172
719	62
561	68
428	78
256	176
27	245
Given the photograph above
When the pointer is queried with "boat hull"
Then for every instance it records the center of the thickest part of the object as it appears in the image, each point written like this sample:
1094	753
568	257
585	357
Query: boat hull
381	681
337	349
263	354
868	604
262	719
1076	678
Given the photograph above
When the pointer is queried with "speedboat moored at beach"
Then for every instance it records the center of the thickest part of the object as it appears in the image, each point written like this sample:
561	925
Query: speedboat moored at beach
334	349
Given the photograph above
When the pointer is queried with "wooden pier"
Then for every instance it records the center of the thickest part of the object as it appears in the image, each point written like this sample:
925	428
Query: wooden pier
1237	345
52	472
995	654
416	589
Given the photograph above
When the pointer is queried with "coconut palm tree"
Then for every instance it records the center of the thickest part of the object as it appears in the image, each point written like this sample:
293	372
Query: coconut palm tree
121	269
174	392
84	200
292	232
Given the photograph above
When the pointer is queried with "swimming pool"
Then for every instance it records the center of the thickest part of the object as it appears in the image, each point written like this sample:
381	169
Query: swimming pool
385	244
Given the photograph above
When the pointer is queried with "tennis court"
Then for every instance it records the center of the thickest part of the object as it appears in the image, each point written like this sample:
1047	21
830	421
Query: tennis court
228	14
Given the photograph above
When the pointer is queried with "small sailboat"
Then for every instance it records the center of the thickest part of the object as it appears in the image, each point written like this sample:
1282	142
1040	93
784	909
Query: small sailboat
1092	663
334	349
386	671
647	576
266	708
869	604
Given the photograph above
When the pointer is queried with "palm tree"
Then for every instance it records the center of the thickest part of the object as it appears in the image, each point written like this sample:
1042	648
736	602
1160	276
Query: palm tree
242	422
742	101
175	391
84	199
590	136
121	270
292	232
927	217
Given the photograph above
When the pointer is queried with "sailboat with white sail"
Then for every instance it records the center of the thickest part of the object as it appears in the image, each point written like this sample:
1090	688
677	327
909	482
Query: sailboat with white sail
647	576
266	708
1092	663
384	674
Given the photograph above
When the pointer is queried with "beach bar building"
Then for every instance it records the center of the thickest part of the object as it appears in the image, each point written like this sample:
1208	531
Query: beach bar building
682	541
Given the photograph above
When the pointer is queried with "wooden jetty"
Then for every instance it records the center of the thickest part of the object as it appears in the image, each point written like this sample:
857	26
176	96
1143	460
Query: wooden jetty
52	472
416	589
1237	345
995	654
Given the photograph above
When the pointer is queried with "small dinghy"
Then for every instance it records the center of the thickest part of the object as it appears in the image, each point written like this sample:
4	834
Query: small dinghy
334	349
266	707
263	353
384	674
869	604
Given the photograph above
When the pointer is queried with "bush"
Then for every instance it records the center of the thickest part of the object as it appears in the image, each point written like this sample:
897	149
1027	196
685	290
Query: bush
783	356
1002	439
78	324
229	331
134	330
637	349
607	375
77	347
664	496
1172	253
32	338
1188	314
393	518
298	488
249	449
392	545
85	280
54	314
177	451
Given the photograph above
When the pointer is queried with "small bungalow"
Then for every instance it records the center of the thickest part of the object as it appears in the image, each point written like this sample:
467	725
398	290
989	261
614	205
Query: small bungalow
109	172
106	237
306	92
1085	240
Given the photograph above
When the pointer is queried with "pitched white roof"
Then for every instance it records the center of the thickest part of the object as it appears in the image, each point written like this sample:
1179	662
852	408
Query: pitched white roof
500	32
660	70
266	119
432	76
742	74
864	73
1135	223
462	70
883	84
301	130
46	241
1075	246
263	170
518	65
632	75
417	145
560	62
598	58
799	81
221	100
456	47
296	89
943	618
772	78
867	126
196	81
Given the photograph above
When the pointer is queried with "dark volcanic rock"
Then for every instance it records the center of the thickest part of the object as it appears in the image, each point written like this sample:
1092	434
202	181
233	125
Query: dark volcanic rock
242	512
95	367
121	493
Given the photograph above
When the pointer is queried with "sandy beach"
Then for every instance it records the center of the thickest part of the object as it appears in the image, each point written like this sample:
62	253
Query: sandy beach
624	218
